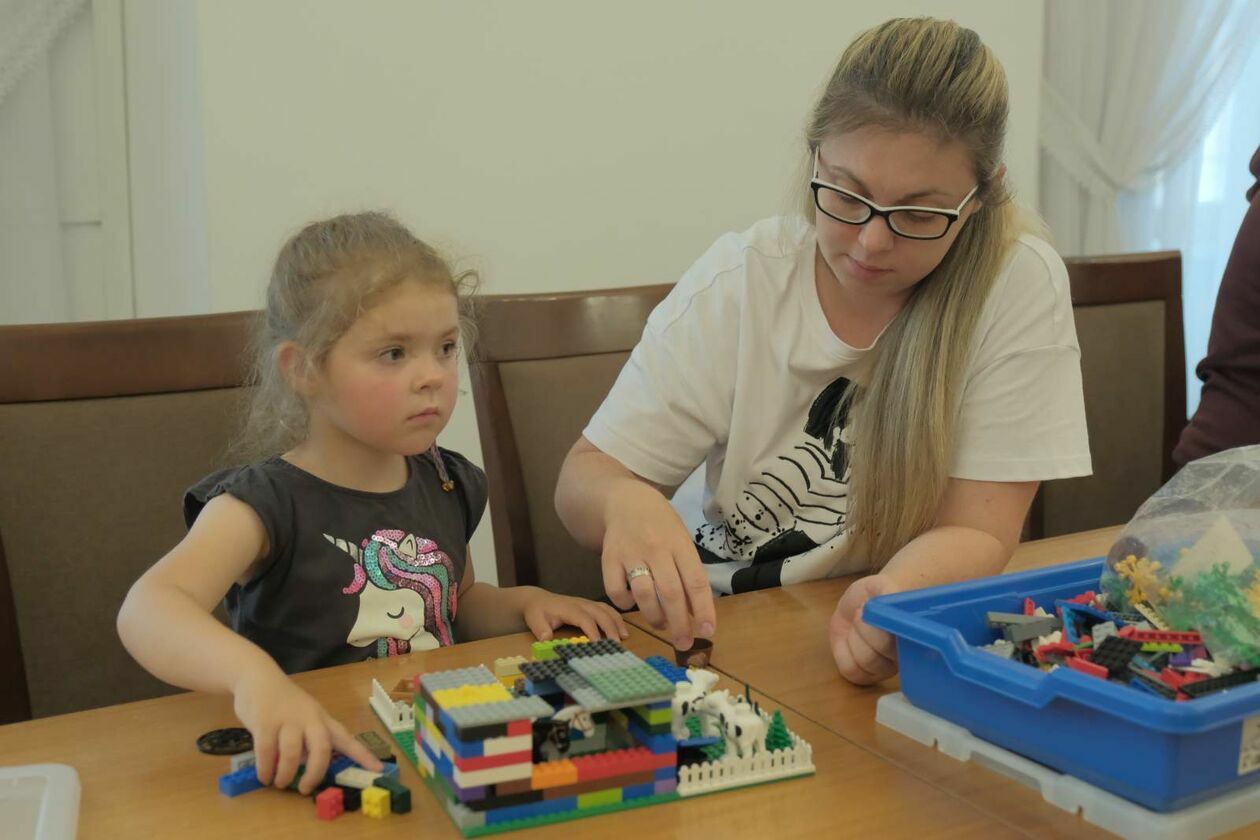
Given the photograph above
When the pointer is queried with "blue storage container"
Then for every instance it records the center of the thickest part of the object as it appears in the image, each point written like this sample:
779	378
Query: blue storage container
1157	752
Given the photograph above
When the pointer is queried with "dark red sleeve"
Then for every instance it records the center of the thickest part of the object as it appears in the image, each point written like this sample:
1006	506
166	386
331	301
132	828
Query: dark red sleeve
1229	409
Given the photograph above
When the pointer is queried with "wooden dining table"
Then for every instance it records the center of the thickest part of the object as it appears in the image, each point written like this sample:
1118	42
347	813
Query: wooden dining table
143	777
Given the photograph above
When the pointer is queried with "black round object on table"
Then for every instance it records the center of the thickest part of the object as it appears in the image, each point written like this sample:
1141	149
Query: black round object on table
228	741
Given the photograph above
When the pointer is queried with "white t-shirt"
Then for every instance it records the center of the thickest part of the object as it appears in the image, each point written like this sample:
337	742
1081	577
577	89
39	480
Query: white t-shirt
738	368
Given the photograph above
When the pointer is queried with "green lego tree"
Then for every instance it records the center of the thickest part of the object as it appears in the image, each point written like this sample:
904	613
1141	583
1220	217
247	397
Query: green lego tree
777	737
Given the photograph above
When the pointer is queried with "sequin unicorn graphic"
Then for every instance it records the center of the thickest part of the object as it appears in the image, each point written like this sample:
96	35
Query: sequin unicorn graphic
406	587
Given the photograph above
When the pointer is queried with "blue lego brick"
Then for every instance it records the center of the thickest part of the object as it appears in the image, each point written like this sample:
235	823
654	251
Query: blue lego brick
667	669
664	773
534	809
242	781
663	704
542	687
390	769
656	743
336	765
635	791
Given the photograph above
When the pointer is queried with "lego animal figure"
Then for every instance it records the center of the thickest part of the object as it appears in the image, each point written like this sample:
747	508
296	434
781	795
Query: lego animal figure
553	735
715	709
688	695
745	731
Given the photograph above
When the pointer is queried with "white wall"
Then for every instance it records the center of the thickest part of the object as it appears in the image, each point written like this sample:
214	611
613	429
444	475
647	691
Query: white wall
553	146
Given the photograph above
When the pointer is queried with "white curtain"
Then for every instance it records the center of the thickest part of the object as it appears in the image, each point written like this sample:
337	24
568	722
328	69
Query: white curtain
1130	88
47	184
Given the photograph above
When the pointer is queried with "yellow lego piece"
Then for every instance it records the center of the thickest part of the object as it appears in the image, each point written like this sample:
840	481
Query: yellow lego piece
509	666
554	774
470	695
1148	612
375	802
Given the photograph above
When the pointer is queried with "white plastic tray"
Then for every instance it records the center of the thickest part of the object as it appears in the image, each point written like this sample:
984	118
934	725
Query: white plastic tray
1105	810
39	802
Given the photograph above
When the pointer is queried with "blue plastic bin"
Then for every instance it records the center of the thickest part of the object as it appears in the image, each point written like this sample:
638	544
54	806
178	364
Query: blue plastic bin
1157	752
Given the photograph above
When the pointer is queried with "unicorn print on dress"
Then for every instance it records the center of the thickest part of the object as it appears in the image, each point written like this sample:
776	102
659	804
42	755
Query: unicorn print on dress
407	592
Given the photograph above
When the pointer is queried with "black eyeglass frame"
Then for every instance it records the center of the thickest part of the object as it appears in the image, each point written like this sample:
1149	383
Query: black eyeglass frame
816	184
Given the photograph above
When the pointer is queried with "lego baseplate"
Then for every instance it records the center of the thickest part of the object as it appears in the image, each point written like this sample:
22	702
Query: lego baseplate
477	745
1099	807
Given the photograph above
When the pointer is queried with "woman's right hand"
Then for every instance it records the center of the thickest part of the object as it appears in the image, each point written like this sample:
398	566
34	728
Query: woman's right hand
642	530
291	728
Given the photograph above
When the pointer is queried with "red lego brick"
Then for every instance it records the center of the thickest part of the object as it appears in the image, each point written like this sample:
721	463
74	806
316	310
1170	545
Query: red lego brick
1176	679
1029	607
1087	667
1164	636
520	727
617	763
485	762
1065	648
329	804
1085	598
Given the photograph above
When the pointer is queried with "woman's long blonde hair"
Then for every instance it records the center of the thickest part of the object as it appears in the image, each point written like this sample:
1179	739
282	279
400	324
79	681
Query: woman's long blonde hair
934	77
325	276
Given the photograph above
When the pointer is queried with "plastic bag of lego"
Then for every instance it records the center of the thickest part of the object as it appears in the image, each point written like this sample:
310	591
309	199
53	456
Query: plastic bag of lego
1189	557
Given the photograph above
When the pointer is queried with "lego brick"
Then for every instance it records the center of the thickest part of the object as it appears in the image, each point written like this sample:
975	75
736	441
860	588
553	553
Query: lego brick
662	773
329	803
534	809
578	788
639	684
619	763
583	693
1214	684
553	774
355	777
438	680
1115	653
509	666
667	669
492	803
546	670
483	714
399	794
470	695
375	802
635	791
510	787
599	647
588	665
571	813
486	762
517	728
1161	636
376	744
542	651
508	744
654	715
241	760
1085	667
241	781
491	775
666	786
598	798
351	798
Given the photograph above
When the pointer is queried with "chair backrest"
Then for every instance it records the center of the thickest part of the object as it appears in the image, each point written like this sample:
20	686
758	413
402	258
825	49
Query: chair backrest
102	427
541	366
1128	321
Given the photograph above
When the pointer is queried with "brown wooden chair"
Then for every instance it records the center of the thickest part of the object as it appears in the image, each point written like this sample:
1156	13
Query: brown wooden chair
1128	321
102	428
541	366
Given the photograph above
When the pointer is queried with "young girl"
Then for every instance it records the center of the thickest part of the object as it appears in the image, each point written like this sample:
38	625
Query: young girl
353	543
877	387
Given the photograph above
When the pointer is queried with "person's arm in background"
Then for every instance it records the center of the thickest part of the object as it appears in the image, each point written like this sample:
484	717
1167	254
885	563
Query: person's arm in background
1229	406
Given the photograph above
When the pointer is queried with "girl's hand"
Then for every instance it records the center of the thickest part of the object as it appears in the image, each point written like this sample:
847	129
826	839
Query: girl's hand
291	727
864	654
547	611
644	532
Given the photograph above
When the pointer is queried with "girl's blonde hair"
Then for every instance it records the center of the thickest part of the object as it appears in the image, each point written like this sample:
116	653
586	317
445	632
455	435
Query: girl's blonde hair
324	278
934	77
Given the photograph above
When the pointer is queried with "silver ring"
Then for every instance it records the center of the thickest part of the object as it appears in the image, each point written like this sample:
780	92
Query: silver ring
637	571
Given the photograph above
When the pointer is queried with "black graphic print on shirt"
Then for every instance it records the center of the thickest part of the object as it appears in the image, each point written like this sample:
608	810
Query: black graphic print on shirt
797	503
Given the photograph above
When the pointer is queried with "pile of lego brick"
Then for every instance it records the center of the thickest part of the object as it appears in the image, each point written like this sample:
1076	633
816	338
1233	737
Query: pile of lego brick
345	787
1135	648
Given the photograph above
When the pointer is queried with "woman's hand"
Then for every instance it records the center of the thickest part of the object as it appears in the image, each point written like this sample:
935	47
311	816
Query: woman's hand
290	728
643	531
864	654
546	611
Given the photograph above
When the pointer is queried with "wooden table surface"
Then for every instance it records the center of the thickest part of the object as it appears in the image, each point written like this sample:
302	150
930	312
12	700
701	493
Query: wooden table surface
143	777
776	641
